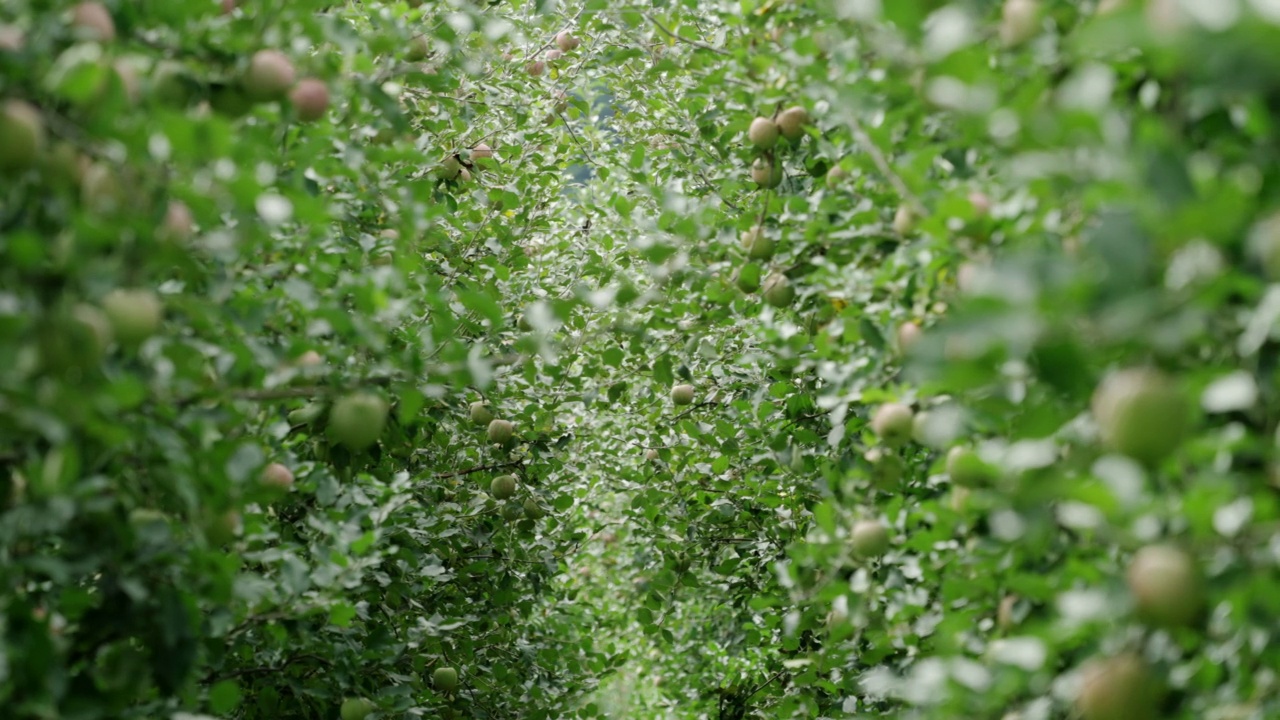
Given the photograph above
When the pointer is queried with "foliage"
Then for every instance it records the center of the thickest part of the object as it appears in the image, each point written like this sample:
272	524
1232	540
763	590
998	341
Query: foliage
248	304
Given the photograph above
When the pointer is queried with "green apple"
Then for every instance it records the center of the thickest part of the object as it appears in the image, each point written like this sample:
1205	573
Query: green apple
22	135
904	221
1141	413
480	413
747	278
1166	585
503	487
269	76
135	314
766	174
445	679
651	454
967	469
501	431
356	708
512	512
887	468
356	421
868	538
757	243
791	123
893	424
836	177
533	510
1019	21
763	133
1118	688
682	394
777	290
419	48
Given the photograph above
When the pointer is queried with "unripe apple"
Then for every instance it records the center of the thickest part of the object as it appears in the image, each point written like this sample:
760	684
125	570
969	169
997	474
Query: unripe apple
12	39
777	290
908	334
503	487
566	41
763	133
967	469
135	314
306	414
533	510
310	358
1019	20
223	527
419	48
523	324
179	224
562	100
553	55
958	500
356	708
747	278
480	413
682	394
1118	688
310	98
91	21
445	679
1166	585
450	168
893	423
886	468
464	175
651	454
836	177
22	136
481	152
766	174
536	68
791	123
757	243
868	538
357	420
269	76
277	477
904	221
1141	413
512	512
501	431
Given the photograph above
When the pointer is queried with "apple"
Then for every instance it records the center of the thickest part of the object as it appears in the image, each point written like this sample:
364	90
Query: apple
481	152
512	512
536	68
224	527
1118	688
868	538
356	708
958	500
357	420
1004	613
445	679
135	314
503	487
893	423
766	174
306	414
91	21
533	510
777	290
228	6
450	168
791	123
269	76
904	221
179	224
22	135
553	55
12	38
763	133
886	468
759	246
101	190
310	358
651	454
908	334
566	41
967	469
480	413
1141	413
682	394
1019	21
501	431
747	278
1166	585
836	177
419	49
310	98
277	477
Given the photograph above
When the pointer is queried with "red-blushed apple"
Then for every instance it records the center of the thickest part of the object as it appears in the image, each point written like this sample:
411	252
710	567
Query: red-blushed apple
310	99
277	476
269	76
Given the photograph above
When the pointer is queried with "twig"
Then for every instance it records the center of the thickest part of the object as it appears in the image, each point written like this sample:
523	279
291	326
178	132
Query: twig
695	43
478	468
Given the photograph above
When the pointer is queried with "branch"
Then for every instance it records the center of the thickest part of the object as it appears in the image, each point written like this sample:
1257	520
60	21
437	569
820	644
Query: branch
478	468
695	43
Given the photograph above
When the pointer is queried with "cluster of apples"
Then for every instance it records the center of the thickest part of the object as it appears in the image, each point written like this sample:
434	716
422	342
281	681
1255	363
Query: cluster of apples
565	42
503	487
764	133
775	288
